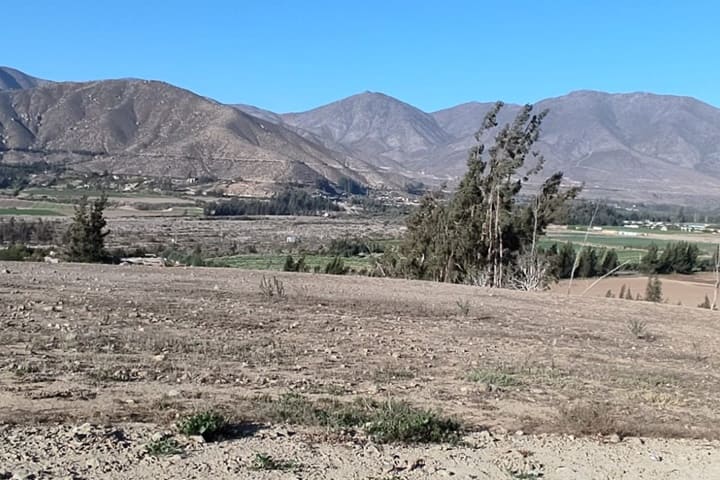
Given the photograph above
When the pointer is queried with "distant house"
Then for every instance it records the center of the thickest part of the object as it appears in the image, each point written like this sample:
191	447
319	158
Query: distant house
693	227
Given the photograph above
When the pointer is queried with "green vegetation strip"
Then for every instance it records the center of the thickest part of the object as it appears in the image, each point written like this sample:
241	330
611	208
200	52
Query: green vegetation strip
386	422
35	212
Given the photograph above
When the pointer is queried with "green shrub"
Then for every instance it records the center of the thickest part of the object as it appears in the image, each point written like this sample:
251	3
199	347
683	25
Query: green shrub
399	422
207	424
165	445
386	422
336	266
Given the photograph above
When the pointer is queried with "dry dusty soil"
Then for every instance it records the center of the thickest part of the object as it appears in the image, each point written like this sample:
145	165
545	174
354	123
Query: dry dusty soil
99	362
689	290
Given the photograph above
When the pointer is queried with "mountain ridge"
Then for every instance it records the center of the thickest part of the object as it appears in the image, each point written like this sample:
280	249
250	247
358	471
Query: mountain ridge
153	128
634	145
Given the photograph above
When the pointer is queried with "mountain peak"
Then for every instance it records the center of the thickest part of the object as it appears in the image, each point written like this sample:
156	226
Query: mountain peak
383	125
12	79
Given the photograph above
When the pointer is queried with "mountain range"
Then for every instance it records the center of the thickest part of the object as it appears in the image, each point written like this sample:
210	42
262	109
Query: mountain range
635	146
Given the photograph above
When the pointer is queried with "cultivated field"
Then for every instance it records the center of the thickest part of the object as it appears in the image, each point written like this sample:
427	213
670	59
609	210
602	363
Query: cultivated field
264	234
689	290
62	204
130	350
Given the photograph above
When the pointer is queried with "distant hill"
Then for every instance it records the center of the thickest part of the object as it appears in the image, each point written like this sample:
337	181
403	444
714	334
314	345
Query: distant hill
11	79
154	129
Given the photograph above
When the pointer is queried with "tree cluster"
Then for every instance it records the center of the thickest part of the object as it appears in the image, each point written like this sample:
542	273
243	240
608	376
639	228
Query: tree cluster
480	235
591	261
288	202
14	231
19	176
678	257
352	247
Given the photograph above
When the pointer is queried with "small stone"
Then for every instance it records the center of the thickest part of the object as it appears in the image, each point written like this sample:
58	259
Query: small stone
159	357
23	475
197	438
614	438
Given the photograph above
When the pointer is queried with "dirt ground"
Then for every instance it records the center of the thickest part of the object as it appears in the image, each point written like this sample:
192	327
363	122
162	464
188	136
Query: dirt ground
95	360
689	290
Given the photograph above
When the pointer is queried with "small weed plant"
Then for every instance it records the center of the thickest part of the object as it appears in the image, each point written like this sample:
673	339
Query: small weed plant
272	289
208	425
638	328
165	445
267	462
399	422
463	307
590	419
494	377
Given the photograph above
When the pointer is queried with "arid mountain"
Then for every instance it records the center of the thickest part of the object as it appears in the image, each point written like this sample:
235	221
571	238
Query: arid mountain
632	146
374	125
637	144
11	79
152	128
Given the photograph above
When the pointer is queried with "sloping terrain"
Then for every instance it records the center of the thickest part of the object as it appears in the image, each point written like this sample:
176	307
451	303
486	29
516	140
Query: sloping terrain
636	146
632	146
113	345
658	145
373	124
11	79
155	129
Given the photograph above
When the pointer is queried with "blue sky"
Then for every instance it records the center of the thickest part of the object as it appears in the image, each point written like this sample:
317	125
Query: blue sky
294	55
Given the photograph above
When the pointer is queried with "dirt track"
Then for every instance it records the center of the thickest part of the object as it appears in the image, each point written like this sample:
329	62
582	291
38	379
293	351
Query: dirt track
117	345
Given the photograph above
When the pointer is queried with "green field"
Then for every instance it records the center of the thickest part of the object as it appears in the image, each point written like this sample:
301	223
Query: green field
35	212
617	242
276	261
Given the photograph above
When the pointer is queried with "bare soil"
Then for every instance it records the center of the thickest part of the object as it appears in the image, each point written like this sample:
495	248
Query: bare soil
130	349
687	290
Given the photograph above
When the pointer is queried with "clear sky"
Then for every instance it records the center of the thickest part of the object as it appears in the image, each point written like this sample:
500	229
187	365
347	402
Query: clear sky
294	55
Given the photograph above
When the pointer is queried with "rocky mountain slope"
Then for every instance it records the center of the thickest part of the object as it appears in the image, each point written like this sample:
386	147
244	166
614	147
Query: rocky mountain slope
632	146
655	145
155	129
11	79
635	146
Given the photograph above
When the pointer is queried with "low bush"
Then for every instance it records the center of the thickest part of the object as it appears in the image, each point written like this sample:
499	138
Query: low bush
208	425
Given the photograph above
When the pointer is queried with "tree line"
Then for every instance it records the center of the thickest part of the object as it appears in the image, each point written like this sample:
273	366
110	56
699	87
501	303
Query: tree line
587	261
677	257
20	231
287	202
